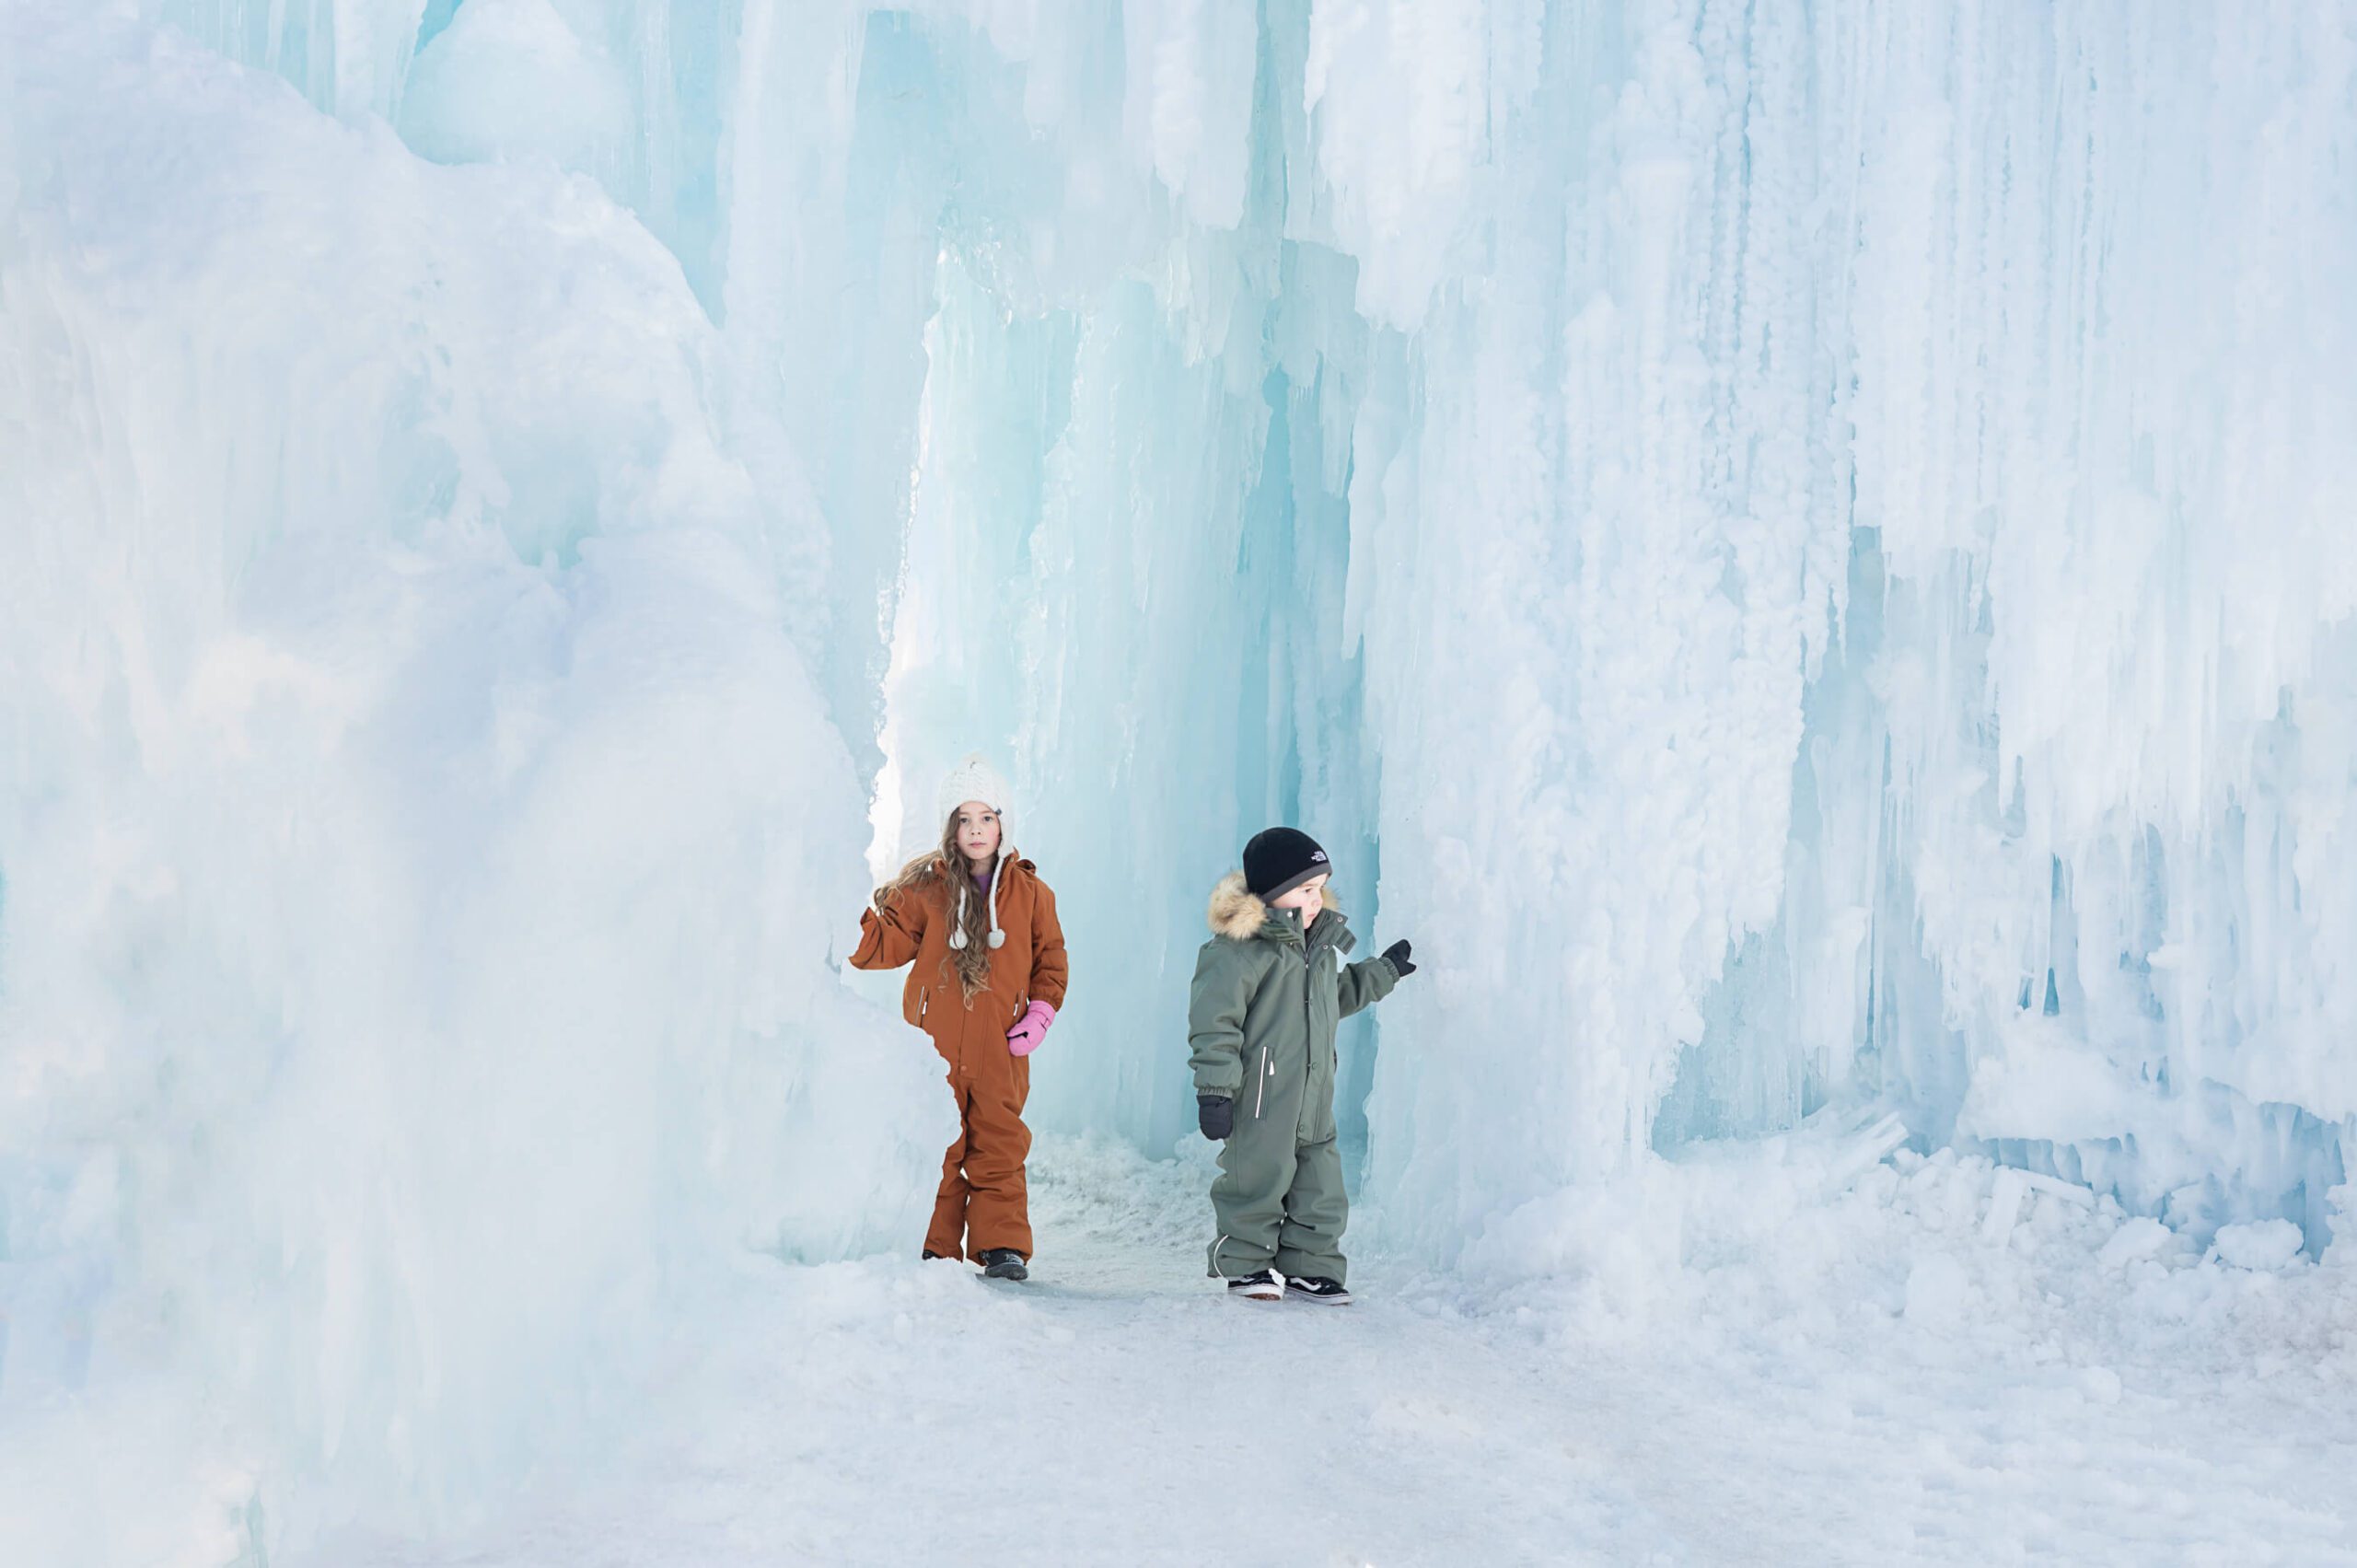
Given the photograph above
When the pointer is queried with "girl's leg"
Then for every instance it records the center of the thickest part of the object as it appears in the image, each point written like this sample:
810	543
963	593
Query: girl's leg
946	1236
997	1142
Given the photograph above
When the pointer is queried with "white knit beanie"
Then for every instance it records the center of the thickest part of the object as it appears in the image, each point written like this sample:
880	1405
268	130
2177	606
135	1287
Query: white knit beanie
975	779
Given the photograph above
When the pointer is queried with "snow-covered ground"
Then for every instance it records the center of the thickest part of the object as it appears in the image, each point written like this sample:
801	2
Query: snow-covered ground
1873	1380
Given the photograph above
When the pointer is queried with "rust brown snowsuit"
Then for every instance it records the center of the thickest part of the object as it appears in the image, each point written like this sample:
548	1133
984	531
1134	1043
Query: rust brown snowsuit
982	1203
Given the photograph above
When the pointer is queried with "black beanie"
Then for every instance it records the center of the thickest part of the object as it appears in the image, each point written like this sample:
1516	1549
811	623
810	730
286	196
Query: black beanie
1278	861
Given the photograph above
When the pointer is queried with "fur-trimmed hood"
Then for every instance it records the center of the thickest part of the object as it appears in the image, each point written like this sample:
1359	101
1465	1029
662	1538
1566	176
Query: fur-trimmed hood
1237	914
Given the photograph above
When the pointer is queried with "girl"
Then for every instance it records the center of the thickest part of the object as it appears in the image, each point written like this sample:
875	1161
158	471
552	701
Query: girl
1270	987
981	928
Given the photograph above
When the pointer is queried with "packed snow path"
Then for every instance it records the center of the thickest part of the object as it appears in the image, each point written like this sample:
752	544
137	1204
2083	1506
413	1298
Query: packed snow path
1118	1409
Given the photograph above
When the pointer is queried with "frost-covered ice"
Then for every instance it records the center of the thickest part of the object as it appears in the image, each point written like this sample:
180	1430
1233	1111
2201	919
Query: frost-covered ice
416	985
1804	553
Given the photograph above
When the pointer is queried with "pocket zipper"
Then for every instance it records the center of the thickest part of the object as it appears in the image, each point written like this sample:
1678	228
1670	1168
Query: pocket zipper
1266	1070
924	1000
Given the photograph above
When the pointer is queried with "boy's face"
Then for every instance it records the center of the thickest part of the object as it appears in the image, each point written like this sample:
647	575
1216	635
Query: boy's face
978	832
1310	898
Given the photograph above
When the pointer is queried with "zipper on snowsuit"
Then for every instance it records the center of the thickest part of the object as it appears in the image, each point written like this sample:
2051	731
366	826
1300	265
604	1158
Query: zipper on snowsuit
1309	1023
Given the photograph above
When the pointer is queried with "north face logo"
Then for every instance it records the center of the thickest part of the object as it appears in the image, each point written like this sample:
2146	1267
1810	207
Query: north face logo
1317	858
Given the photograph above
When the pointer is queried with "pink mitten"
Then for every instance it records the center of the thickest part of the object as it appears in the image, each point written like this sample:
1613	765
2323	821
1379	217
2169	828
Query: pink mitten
1025	1037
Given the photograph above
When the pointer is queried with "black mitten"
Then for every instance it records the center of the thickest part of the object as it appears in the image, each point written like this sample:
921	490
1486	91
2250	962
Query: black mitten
1217	1113
1397	957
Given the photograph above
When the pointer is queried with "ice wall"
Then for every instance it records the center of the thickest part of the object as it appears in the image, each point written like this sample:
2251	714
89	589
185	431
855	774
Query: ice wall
416	984
1916	561
1821	534
1819	541
1128	553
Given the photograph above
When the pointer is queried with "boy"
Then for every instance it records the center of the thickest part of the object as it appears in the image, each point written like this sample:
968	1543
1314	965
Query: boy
1270	987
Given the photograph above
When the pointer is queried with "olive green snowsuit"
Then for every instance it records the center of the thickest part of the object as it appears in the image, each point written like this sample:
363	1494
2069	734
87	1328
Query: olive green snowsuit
1261	1022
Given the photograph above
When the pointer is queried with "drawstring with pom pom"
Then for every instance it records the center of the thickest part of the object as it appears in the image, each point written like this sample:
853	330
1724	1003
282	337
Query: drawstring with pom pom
957	924
998	881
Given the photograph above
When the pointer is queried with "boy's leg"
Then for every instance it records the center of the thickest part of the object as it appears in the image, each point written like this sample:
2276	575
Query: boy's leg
1248	1198
946	1236
997	1142
1316	1209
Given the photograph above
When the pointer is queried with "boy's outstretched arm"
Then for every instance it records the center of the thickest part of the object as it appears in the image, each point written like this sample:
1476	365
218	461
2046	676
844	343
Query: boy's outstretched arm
891	937
1370	980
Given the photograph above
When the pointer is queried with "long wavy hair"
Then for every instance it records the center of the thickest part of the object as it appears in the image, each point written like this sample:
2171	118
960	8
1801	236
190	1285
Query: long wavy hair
972	963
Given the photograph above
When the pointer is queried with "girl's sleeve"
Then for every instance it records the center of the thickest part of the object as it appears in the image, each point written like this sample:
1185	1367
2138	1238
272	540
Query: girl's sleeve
891	938
1224	975
1368	982
1050	969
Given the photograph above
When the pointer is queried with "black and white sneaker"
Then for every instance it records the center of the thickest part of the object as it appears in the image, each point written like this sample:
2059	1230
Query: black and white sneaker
1002	1263
1327	1292
1259	1285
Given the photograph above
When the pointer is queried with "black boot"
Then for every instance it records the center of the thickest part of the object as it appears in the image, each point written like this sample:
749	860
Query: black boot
1002	1263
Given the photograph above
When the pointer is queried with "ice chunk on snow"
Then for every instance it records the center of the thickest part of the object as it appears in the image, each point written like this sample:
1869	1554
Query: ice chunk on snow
1863	1151
2264	1245
2141	1237
2012	1187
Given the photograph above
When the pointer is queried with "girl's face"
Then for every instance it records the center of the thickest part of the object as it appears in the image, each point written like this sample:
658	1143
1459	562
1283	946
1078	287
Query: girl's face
978	832
1310	898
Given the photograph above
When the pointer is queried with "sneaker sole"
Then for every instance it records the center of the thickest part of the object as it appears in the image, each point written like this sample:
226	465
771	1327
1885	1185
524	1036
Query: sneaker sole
1342	1300
1255	1294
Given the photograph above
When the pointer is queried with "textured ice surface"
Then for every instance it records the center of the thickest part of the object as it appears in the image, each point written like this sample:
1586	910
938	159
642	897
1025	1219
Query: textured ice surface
416	980
1816	545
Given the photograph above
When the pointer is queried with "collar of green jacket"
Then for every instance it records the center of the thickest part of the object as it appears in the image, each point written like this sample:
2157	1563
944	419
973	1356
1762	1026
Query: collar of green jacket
1239	914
